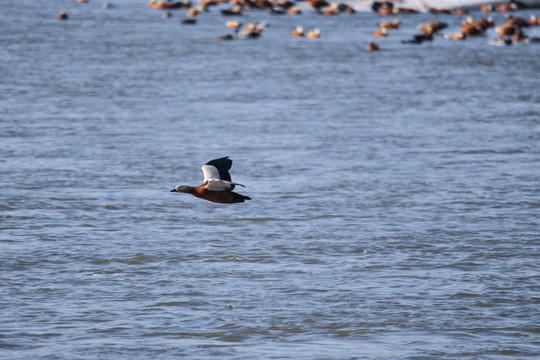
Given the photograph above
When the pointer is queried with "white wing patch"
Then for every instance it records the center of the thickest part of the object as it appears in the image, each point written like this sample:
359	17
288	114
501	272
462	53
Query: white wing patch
210	172
220	185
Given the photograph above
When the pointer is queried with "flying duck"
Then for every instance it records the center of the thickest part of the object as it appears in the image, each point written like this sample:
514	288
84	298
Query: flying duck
217	185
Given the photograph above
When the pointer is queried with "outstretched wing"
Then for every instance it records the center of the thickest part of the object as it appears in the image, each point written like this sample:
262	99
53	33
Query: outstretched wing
216	174
223	165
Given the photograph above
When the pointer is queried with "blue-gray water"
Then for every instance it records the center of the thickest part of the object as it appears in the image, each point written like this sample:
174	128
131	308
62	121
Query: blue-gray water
396	195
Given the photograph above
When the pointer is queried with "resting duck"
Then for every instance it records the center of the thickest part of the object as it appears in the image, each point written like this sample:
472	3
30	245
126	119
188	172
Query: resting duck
313	34
456	36
62	16
217	185
506	30
382	32
331	9
390	24
233	24
165	5
297	32
431	27
236	10
293	10
459	11
372	47
506	7
486	8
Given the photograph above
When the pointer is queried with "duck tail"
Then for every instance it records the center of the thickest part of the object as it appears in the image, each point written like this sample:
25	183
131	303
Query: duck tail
239	198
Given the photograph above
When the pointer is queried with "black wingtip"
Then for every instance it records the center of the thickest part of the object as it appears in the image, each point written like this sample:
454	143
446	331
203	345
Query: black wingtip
222	165
219	160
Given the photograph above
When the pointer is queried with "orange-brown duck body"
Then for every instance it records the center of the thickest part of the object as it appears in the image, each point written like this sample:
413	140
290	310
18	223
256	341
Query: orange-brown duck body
222	197
217	186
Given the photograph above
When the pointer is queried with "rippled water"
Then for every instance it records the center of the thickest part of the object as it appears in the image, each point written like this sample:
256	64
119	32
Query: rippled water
395	209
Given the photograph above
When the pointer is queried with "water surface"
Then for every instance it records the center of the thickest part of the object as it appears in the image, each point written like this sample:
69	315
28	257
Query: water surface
395	194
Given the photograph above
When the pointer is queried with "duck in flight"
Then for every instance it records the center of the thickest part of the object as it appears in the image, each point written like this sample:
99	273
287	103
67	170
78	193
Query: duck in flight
217	185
